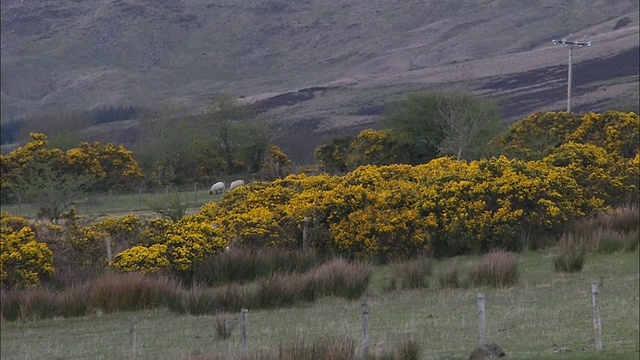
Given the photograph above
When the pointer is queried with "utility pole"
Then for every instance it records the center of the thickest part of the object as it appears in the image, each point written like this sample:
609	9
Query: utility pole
570	45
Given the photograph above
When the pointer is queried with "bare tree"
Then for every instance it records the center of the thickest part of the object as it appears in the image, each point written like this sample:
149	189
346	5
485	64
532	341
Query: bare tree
468	122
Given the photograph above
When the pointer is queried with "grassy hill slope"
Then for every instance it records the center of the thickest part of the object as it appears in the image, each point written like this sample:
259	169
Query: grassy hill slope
355	55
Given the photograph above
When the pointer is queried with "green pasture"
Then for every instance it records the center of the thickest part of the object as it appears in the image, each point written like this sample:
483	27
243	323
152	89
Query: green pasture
544	312
105	204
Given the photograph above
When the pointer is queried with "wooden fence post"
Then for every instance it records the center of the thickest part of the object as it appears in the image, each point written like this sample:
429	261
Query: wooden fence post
133	337
305	232
107	242
139	196
195	194
365	327
244	313
597	324
481	323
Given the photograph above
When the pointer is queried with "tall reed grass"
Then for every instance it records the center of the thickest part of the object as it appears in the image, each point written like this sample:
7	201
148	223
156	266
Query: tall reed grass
571	256
246	265
335	278
109	293
410	274
496	269
608	232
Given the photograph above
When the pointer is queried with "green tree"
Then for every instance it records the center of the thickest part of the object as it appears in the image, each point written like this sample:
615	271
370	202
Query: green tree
452	122
225	120
416	121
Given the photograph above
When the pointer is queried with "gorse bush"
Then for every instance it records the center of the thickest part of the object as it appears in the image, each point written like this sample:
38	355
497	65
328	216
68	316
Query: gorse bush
562	167
496	269
25	261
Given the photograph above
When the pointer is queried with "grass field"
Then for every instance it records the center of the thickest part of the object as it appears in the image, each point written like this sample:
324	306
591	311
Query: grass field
99	205
544	312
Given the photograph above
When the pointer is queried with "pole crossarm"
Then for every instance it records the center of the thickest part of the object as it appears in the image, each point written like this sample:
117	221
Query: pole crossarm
566	42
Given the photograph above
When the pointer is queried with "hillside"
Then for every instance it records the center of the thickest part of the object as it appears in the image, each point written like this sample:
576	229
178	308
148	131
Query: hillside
320	67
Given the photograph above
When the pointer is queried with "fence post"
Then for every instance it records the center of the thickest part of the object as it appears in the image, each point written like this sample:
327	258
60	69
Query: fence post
107	242
139	196
133	335
365	326
244	313
195	194
597	324
481	323
305	232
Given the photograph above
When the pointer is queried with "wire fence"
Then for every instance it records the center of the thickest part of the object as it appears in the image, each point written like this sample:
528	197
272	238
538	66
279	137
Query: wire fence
499	316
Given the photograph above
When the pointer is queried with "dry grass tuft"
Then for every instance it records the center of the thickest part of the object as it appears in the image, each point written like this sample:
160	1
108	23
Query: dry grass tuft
571	255
128	292
451	278
496	269
410	274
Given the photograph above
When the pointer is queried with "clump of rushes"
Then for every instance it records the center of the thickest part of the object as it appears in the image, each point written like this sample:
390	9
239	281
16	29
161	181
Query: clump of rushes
451	278
496	269
571	255
410	274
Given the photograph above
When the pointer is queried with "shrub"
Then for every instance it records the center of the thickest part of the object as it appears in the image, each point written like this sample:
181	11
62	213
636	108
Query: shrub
25	261
496	269
622	22
571	255
152	259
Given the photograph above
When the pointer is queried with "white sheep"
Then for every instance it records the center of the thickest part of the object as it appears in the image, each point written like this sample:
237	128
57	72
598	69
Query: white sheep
217	188
235	184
